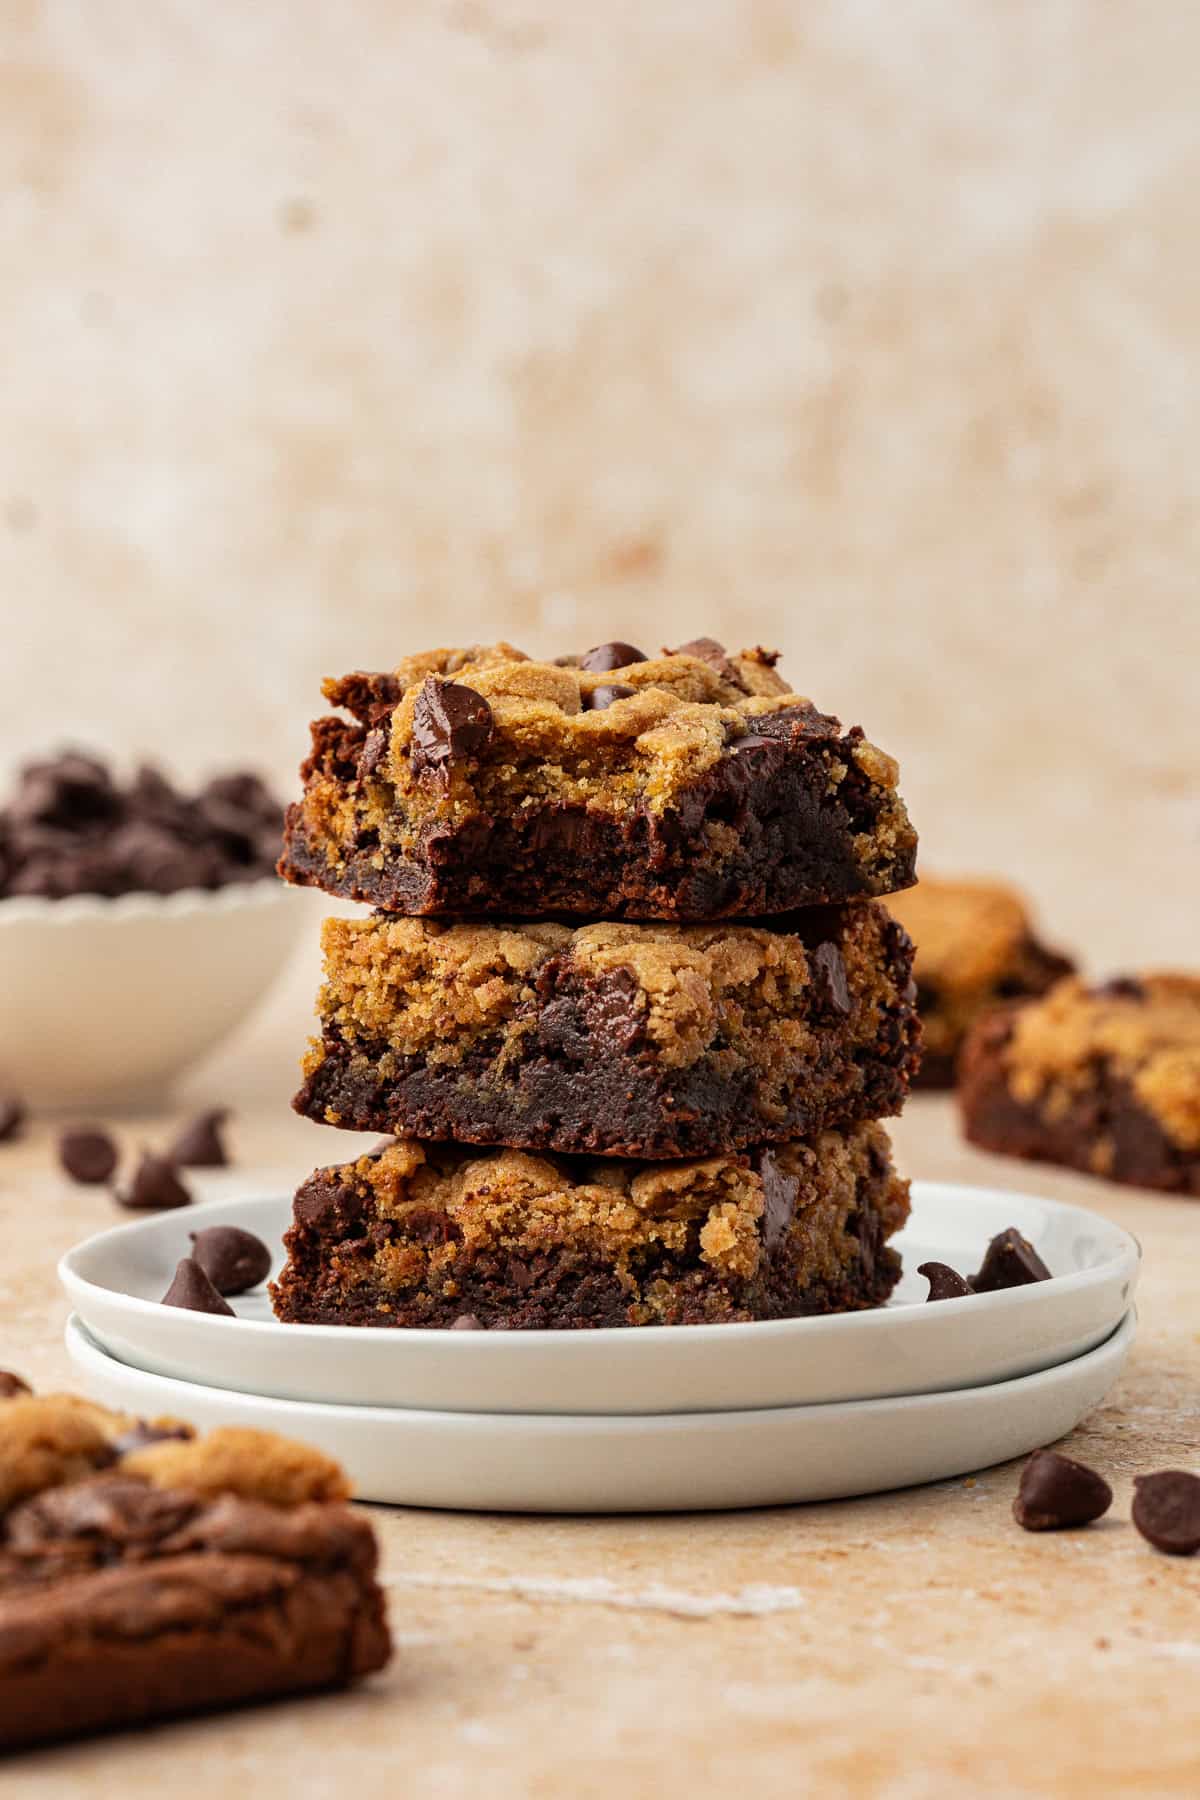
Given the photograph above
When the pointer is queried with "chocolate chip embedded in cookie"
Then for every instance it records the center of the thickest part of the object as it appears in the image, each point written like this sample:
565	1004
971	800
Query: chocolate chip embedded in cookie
632	1040
697	786
1104	1079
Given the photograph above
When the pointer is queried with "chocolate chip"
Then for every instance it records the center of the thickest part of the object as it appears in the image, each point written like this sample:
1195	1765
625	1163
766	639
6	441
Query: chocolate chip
192	1290
602	697
1010	1261
780	1193
12	1117
466	1322
945	1283
603	657
233	1259
11	1385
374	753
450	722
829	978
1166	1510
142	1433
200	1144
155	1185
88	1155
751	740
1056	1493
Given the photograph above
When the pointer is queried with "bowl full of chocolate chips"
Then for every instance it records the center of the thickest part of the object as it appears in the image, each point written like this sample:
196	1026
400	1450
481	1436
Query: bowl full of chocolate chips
139	925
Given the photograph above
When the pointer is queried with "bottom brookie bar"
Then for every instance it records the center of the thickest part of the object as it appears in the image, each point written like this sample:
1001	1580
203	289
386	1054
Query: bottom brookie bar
424	1234
146	1574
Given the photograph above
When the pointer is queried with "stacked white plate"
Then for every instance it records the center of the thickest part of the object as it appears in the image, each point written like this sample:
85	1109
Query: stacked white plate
658	1419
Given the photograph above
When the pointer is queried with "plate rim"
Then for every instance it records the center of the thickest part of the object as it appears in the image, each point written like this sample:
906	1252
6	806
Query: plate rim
1127	1255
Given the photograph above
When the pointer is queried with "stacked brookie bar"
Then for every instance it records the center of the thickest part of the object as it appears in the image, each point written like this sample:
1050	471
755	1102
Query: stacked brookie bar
627	1002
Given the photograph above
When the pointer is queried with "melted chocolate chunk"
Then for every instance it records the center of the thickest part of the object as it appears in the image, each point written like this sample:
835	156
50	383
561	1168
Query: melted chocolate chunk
200	1144
945	1283
829	978
779	1200
1010	1261
603	657
191	1289
1166	1510
117	1508
602	697
88	1156
234	1260
155	1185
1057	1493
374	753
450	723
708	650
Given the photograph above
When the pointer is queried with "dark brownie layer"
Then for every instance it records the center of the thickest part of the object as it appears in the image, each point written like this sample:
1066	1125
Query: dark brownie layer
417	1237
692	793
617	1041
1102	1119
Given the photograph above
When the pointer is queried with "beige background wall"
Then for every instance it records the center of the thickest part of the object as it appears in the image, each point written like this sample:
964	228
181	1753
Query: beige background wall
870	330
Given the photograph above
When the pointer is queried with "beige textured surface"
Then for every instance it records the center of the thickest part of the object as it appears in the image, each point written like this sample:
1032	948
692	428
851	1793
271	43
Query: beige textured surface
870	329
898	1647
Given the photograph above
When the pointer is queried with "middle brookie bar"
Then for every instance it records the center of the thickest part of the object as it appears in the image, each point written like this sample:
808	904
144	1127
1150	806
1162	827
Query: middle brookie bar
420	1234
618	1039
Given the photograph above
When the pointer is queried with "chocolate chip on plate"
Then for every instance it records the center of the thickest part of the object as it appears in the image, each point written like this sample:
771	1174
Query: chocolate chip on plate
602	697
155	1185
603	657
12	1385
142	1433
467	1322
192	1290
233	1259
1010	1261
12	1117
200	1145
1056	1493
945	1283
450	722
1166	1510
87	1155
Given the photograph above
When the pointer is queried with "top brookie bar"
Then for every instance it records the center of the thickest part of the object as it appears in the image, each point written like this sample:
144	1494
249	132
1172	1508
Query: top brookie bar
1104	1079
145	1573
617	1040
692	785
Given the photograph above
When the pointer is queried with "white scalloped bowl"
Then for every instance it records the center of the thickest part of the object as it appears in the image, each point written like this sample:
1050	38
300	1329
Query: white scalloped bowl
104	1003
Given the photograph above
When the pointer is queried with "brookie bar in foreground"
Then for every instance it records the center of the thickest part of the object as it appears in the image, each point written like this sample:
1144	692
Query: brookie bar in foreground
630	1040
692	785
1103	1079
145	1574
420	1234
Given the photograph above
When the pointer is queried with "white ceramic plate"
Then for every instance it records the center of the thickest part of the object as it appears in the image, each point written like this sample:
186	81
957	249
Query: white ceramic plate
685	1462
115	1280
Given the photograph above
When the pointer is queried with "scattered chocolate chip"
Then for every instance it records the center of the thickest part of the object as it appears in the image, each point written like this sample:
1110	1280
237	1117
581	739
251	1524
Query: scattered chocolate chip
12	1117
155	1185
450	722
192	1290
602	697
87	1155
143	1433
1056	1493
1010	1261
467	1322
233	1260
200	1144
11	1385
1166	1510
603	657
945	1283
829	978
